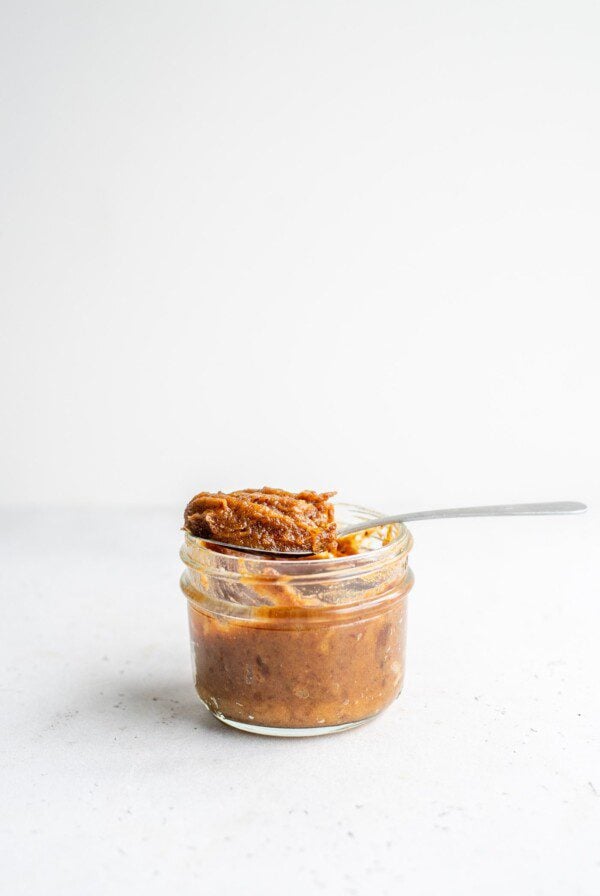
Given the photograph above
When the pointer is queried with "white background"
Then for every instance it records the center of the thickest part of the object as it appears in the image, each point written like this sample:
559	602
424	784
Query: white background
346	245
325	244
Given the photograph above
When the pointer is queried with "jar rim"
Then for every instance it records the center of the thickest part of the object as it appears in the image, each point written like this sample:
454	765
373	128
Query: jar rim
296	568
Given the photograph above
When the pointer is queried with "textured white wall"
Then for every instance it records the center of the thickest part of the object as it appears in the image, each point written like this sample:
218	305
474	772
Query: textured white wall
305	244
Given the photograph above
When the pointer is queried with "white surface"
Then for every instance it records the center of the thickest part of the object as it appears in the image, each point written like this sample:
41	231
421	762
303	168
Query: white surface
413	185
483	778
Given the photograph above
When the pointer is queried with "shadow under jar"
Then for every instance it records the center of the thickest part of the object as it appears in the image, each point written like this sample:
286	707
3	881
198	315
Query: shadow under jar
299	647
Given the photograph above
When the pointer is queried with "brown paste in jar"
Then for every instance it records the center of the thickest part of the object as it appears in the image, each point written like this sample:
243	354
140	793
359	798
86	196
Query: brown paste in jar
291	674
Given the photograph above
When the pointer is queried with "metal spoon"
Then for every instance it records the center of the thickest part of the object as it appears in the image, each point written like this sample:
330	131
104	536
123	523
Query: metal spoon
550	507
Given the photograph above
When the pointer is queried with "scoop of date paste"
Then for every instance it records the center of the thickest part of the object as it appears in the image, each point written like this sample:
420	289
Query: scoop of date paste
267	518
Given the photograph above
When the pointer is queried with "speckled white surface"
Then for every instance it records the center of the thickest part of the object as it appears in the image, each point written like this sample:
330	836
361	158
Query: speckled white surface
483	778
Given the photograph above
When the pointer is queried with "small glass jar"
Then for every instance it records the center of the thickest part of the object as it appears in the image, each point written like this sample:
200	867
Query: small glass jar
299	647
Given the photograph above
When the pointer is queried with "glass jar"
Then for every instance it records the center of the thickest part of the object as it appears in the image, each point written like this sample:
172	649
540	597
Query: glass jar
299	647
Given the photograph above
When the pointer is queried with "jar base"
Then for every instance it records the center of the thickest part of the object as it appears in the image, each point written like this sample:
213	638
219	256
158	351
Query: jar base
290	732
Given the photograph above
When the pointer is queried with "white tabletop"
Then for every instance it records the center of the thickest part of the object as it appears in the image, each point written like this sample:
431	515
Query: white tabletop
483	778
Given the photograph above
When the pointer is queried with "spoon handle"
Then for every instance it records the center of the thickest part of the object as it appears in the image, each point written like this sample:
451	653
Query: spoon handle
453	512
